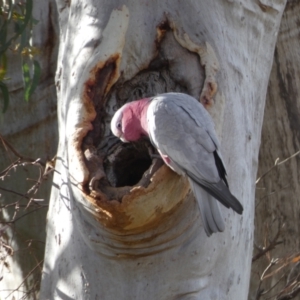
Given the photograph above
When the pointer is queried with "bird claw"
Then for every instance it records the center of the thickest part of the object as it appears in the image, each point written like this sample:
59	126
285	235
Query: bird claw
157	156
152	154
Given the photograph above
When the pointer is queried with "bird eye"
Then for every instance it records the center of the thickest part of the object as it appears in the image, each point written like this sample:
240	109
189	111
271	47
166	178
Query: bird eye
119	125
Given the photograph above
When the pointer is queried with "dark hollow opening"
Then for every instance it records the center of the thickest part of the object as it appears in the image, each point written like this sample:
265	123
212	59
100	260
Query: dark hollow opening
126	163
130	164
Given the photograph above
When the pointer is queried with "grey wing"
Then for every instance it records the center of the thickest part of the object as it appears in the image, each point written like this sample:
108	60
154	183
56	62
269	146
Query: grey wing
183	130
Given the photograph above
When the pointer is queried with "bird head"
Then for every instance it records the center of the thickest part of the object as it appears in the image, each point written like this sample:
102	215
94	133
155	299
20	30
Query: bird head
126	124
116	124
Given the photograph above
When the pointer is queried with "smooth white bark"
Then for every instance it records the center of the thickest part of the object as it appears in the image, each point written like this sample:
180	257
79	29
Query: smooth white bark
103	249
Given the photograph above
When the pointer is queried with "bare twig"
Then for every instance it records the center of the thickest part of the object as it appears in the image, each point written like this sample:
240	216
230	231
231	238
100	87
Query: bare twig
262	277
272	287
290	290
26	277
14	151
278	273
44	170
270	194
273	243
14	192
276	164
14	220
283	262
292	294
18	161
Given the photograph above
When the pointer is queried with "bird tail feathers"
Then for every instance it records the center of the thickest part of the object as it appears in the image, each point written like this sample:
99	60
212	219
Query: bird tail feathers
209	209
219	191
222	193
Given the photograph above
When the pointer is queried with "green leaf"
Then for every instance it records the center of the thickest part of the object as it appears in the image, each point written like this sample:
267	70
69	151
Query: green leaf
26	79
30	85
3	66
27	17
36	77
19	26
5	94
19	15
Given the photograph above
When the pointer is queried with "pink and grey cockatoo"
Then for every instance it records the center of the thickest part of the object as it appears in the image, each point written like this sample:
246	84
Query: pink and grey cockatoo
182	131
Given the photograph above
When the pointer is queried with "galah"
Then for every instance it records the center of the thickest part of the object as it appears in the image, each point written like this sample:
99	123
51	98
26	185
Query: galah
182	131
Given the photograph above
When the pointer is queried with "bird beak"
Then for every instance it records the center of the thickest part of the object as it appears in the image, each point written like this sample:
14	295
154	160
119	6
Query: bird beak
123	139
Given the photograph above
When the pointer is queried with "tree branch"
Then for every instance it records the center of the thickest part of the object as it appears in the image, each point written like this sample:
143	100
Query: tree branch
277	163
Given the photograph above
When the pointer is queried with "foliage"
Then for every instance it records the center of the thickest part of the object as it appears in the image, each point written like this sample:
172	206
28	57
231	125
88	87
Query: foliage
16	23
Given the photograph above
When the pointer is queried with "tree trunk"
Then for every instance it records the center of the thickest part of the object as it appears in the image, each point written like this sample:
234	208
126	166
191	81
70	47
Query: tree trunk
277	202
112	232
